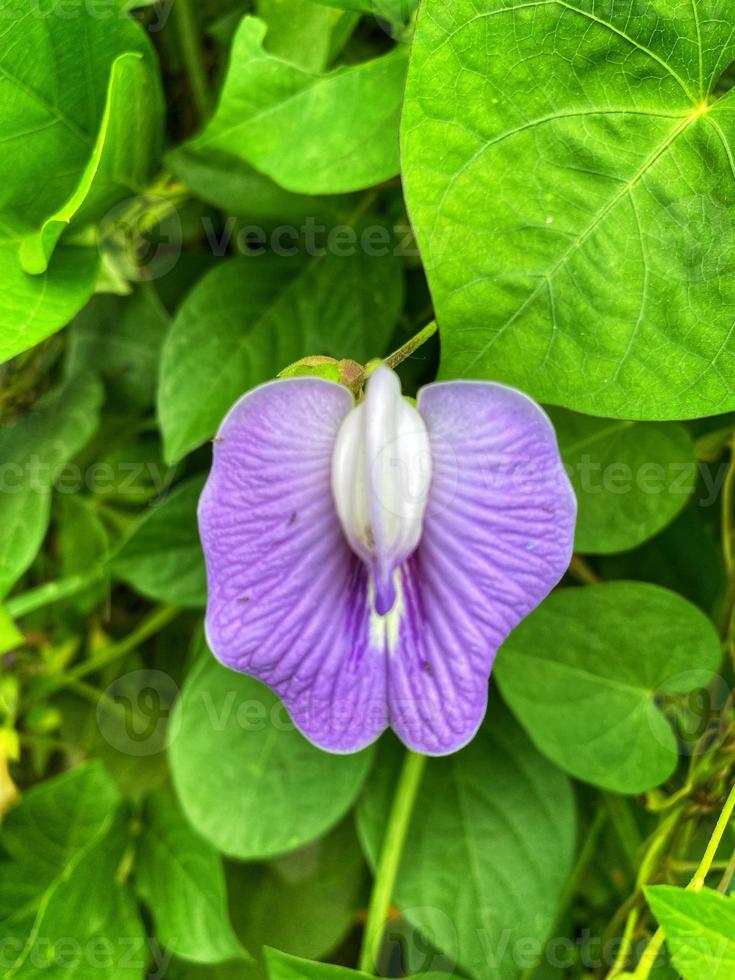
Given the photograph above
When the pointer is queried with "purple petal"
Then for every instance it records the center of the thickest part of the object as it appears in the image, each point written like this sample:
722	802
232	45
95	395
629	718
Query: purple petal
498	536
287	597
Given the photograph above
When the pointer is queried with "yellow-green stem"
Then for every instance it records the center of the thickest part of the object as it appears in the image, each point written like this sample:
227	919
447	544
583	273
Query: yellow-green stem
389	861
650	955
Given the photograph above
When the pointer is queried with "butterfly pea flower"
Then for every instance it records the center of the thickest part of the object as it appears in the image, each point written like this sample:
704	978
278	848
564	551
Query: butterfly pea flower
366	559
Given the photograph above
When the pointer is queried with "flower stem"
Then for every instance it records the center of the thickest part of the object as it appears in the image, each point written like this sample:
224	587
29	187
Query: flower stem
390	859
412	345
650	955
191	53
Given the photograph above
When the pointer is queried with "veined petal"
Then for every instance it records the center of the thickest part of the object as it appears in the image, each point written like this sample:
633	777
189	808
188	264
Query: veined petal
288	599
497	537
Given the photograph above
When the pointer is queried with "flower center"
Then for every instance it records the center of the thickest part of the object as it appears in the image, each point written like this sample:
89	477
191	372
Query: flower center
381	473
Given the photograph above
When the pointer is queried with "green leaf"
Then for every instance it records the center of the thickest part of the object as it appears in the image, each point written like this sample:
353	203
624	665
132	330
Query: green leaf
57	819
162	557
120	161
586	671
250	317
34	307
34	449
47	839
304	903
87	925
393	10
311	133
631	479
569	173
304	33
489	847
274	791
699	929
667	561
71	148
236	188
121	339
281	966
82	544
179	876
57	68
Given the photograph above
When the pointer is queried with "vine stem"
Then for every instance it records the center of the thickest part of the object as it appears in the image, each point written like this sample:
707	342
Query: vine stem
650	955
412	345
386	871
191	53
728	492
157	620
51	592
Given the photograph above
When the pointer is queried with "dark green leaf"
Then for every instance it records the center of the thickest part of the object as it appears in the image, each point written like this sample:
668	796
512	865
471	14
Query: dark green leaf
303	903
630	478
121	339
179	875
162	558
251	317
34	449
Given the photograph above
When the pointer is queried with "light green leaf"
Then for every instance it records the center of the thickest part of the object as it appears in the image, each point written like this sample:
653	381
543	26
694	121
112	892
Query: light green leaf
250	317
489	847
33	451
586	671
120	160
57	69
179	876
304	903
306	34
311	133
631	479
569	175
10	635
162	557
34	307
699	929
71	147
274	791
121	339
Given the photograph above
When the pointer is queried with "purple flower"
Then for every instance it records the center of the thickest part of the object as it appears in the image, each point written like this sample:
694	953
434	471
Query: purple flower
366	561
